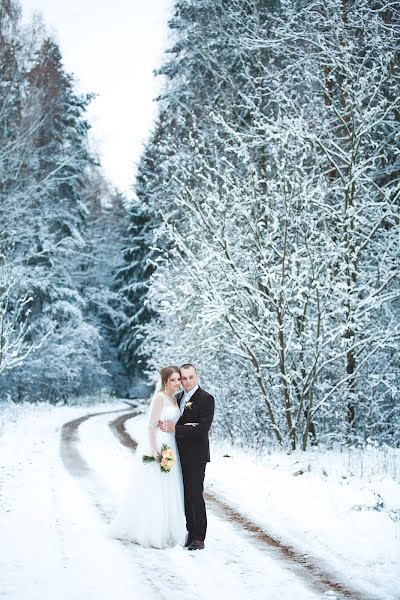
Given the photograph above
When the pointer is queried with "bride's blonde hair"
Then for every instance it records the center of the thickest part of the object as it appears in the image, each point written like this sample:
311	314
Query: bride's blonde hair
165	374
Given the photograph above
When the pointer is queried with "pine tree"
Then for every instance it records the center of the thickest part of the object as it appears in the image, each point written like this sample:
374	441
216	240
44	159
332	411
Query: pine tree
61	229
52	230
94	274
139	261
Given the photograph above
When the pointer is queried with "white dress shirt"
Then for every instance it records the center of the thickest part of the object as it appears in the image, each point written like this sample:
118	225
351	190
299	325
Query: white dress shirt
186	397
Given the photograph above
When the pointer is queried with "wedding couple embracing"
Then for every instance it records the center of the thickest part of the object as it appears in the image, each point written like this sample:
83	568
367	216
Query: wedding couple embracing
164	503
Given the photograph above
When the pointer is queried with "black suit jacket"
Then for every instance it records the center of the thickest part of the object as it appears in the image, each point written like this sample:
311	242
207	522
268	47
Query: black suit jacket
192	442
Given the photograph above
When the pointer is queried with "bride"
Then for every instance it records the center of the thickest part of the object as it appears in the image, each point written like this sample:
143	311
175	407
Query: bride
152	513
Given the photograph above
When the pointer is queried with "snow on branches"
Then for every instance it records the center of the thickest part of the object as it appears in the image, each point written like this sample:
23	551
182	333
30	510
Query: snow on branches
277	213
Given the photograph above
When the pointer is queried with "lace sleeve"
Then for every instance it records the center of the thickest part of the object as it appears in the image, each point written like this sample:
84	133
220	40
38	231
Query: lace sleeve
153	422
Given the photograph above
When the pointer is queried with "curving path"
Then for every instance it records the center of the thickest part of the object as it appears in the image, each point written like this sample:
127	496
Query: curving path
303	567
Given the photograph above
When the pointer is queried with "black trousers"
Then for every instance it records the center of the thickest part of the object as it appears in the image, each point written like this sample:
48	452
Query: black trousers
195	508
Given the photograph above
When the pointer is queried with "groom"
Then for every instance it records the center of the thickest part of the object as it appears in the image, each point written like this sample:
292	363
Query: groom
191	431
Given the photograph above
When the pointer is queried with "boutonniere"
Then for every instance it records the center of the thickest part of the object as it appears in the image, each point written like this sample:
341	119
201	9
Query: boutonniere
188	405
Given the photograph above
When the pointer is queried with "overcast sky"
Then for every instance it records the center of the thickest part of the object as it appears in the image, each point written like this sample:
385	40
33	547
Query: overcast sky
112	48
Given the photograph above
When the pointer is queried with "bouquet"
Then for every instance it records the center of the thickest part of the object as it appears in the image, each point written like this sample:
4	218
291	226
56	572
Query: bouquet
165	458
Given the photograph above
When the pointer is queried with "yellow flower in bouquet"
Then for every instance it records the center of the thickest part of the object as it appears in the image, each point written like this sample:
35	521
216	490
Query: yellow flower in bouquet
165	458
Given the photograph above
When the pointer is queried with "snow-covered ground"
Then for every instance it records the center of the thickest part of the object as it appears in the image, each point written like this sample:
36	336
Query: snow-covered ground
342	508
53	526
51	542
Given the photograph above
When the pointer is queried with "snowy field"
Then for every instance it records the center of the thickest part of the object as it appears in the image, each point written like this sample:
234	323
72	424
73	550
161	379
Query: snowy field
340	508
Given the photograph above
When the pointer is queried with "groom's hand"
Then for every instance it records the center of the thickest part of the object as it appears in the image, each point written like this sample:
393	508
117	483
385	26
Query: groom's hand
167	426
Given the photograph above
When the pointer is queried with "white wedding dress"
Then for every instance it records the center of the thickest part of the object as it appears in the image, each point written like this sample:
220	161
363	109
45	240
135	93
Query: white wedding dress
152	512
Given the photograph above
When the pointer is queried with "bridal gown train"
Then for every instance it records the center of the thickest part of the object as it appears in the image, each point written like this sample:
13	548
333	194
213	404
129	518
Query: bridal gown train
152	512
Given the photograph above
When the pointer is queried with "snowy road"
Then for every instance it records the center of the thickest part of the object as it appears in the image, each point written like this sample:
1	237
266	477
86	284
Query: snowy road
240	560
62	477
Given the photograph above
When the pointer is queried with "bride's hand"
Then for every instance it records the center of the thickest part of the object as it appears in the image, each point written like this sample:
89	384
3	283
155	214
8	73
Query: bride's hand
155	455
192	424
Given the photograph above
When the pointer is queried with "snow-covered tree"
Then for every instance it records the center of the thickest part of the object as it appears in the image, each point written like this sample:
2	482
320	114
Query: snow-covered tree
52	214
279	207
145	244
94	271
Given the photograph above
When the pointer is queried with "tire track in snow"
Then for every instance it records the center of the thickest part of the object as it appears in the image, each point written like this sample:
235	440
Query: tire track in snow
301	565
79	468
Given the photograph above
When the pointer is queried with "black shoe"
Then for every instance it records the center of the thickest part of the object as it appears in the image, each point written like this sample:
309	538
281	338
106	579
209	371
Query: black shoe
188	543
196	545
